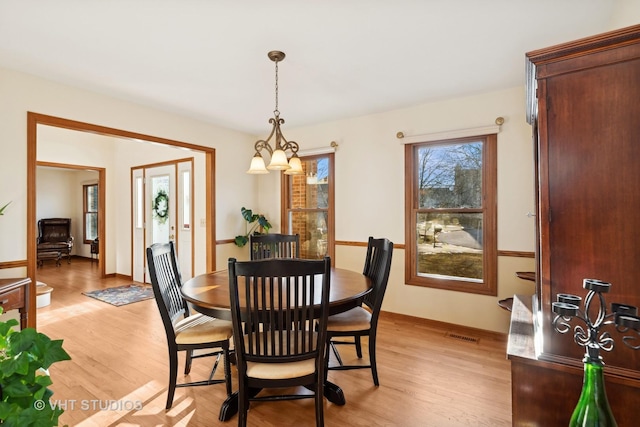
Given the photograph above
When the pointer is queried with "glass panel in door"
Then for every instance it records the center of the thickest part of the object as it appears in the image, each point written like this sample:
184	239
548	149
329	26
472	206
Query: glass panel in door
161	229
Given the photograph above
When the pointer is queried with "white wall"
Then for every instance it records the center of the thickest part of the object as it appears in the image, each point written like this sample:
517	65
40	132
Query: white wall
55	196
59	195
625	14
370	196
20	93
369	167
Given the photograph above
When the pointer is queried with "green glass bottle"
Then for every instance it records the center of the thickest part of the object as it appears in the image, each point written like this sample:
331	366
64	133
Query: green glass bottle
593	408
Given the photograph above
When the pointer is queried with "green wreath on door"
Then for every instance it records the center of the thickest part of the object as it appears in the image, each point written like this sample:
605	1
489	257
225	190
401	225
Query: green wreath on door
160	206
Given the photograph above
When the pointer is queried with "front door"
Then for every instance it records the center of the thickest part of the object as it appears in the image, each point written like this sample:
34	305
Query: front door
162	213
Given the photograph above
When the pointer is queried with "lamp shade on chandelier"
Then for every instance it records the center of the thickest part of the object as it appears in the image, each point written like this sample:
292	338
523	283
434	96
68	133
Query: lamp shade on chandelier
284	154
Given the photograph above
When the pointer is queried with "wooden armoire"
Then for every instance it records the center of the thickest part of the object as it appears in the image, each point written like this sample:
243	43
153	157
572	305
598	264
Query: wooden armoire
584	107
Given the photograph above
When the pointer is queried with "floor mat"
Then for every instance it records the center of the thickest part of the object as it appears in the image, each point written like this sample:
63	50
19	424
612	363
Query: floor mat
122	295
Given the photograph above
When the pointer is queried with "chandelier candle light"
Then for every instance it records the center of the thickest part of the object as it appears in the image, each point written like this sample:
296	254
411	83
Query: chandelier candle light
593	407
278	153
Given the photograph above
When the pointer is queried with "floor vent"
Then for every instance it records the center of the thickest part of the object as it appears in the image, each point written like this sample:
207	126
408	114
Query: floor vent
463	338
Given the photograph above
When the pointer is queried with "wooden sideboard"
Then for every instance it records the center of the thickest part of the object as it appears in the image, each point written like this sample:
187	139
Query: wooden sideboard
583	108
14	295
544	393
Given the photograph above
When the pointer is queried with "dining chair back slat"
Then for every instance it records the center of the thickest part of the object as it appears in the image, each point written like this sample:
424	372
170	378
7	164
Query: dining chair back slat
359	322
180	326
279	309
377	267
167	276
274	245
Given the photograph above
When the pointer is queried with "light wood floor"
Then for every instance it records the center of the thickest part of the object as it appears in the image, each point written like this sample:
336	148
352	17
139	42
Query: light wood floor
430	374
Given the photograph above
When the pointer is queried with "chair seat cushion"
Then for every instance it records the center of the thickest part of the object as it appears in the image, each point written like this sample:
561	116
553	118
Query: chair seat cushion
281	370
49	246
199	328
356	319
274	371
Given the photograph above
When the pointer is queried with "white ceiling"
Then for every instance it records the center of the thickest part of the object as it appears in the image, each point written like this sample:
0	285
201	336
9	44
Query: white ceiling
207	59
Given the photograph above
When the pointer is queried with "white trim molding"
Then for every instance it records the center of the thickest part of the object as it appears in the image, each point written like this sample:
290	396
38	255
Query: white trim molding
448	134
316	151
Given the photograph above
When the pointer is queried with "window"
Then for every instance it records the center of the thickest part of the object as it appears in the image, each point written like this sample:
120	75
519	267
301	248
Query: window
451	219
139	203
186	199
308	206
90	217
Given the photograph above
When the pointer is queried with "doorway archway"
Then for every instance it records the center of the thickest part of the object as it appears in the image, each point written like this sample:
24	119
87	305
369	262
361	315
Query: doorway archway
35	119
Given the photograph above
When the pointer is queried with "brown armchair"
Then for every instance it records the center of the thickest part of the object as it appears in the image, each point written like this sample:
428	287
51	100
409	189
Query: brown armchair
54	235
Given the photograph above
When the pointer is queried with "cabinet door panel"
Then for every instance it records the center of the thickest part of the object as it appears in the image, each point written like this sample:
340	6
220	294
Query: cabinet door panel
593	193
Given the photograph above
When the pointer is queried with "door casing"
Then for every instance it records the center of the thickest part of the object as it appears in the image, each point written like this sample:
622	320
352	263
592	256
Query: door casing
35	119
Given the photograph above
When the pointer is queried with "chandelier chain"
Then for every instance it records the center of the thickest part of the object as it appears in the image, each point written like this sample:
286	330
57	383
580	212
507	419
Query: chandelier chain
276	112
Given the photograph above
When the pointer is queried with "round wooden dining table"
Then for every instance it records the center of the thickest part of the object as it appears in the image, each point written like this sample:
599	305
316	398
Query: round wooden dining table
209	294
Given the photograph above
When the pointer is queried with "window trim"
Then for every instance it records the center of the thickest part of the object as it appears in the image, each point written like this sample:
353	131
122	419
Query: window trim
284	207
85	211
489	285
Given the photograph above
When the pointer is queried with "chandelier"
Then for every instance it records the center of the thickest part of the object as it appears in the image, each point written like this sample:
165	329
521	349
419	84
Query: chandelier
278	152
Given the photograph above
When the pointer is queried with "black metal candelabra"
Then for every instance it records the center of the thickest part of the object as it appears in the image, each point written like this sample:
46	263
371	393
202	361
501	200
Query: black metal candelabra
624	316
593	407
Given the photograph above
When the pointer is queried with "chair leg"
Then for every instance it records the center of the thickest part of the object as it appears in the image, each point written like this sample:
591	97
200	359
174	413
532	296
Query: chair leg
173	374
358	343
227	370
243	404
187	363
372	358
326	359
319	399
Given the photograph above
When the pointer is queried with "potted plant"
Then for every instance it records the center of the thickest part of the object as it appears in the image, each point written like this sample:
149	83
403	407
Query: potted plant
256	223
25	356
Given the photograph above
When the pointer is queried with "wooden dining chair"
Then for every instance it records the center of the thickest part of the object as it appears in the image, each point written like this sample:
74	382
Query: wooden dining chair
274	306
274	245
359	322
185	332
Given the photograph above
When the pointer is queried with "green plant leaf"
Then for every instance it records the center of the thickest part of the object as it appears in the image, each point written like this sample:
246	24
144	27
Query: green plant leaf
43	381
241	241
258	220
54	353
16	365
23	340
247	214
24	357
5	327
31	416
5	410
9	413
15	389
264	223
